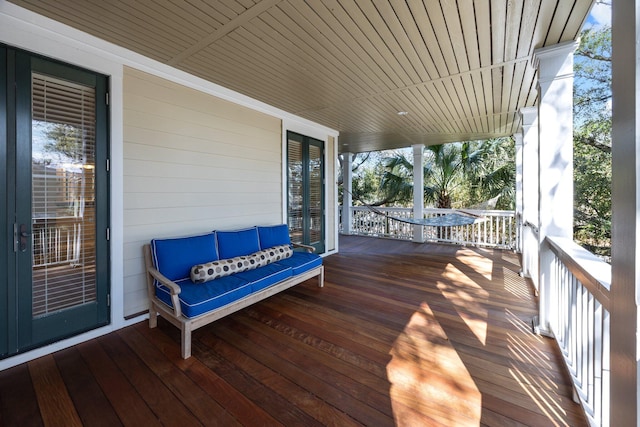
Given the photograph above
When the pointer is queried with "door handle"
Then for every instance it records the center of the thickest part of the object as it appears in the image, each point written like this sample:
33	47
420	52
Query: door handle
24	234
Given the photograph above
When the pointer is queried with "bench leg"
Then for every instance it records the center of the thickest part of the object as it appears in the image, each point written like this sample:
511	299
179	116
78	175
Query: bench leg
321	277
153	316
186	340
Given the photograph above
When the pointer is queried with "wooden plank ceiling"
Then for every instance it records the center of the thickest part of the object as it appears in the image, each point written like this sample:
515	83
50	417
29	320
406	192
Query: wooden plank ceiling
460	69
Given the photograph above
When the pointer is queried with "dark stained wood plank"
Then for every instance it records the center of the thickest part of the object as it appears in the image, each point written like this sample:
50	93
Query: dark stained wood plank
126	401
234	402
315	397
89	400
55	404
194	398
347	388
276	405
18	401
169	409
339	348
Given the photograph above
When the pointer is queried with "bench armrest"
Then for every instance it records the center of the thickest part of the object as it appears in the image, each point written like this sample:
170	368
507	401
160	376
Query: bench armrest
174	289
308	248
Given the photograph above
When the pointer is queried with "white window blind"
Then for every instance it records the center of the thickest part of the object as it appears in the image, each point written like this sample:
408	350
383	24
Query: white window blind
63	194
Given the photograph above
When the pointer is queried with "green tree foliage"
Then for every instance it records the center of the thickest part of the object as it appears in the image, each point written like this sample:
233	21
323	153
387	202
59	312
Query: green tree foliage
461	174
64	139
592	141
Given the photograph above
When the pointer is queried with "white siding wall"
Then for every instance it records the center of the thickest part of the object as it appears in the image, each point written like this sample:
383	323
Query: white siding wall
192	163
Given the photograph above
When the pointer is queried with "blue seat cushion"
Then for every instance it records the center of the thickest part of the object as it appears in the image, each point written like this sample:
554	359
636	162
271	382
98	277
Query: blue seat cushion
301	262
175	257
266	276
196	299
274	235
237	243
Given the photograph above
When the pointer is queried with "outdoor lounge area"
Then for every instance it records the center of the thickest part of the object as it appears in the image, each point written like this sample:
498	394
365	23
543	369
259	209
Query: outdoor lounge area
402	333
128	122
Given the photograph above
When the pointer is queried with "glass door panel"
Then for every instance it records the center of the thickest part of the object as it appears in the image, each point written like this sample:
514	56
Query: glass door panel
63	202
295	191
315	197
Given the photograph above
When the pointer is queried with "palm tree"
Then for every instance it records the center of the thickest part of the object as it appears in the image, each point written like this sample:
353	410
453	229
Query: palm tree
466	172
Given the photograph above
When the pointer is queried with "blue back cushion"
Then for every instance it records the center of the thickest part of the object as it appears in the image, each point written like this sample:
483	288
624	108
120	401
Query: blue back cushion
237	243
274	235
175	257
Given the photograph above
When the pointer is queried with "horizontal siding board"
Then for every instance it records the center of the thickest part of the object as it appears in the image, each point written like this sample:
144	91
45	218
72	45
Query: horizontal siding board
167	185
223	221
196	106
192	150
135	297
188	213
203	175
151	201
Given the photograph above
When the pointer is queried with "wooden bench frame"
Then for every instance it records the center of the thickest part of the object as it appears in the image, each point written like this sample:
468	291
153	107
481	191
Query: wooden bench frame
186	325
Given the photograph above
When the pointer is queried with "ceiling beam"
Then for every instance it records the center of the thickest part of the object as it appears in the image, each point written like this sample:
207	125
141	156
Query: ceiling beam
236	22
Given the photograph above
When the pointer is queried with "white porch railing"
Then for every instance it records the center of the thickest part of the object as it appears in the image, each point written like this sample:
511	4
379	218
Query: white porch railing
530	252
494	228
57	241
579	320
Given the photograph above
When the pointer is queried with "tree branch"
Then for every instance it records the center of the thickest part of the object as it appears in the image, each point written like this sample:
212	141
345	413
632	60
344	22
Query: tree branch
591	141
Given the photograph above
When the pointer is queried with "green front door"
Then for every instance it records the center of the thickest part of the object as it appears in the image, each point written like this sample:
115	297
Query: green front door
305	200
56	192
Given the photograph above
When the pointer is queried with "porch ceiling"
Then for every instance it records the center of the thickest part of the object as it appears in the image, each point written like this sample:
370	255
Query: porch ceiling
460	69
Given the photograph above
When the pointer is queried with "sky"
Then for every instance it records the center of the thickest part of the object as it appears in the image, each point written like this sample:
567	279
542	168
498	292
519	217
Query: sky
600	15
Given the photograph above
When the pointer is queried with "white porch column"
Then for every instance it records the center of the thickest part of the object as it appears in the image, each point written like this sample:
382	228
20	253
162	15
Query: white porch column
625	238
555	127
530	246
347	187
519	202
418	191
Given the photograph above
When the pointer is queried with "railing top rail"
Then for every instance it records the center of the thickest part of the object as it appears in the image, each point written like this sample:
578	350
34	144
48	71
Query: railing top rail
593	273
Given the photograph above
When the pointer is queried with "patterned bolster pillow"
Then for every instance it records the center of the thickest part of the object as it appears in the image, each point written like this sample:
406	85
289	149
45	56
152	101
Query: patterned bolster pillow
201	273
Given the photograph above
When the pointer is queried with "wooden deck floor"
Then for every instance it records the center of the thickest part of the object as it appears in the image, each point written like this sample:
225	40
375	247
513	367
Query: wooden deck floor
401	334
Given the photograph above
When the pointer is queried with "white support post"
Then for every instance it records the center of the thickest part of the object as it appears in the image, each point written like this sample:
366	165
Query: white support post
519	197
555	127
347	199
418	191
530	192
625	238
